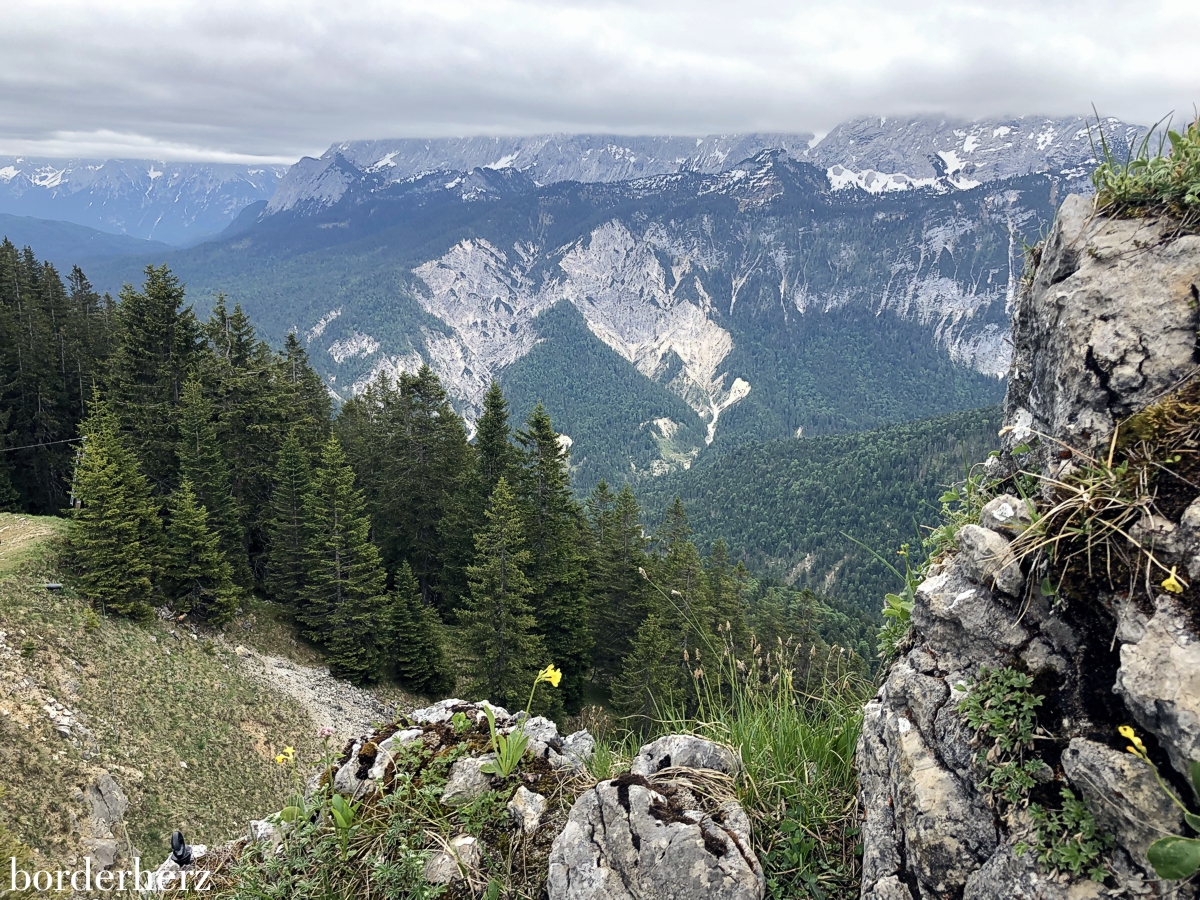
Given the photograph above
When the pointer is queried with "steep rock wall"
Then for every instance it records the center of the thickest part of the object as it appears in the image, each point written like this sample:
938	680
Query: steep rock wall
1106	328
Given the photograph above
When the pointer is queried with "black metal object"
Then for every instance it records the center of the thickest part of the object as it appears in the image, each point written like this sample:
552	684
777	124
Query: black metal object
181	853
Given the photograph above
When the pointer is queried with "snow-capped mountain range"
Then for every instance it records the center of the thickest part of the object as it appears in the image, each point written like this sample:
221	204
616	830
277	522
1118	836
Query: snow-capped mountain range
873	154
166	201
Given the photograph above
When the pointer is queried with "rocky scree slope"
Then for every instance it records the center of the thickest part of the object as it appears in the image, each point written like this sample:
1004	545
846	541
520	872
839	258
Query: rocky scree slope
669	827
1105	364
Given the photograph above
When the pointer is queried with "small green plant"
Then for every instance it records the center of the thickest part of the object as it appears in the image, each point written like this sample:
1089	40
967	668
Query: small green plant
29	648
509	748
1068	839
1002	710
1175	856
91	621
459	722
343	812
1145	183
1000	706
897	609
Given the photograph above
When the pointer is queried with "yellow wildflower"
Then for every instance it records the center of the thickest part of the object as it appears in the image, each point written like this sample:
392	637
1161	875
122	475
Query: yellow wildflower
280	759
550	674
1172	584
1125	731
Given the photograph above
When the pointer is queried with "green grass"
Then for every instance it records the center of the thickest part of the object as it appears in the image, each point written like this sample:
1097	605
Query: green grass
1165	180
187	735
795	719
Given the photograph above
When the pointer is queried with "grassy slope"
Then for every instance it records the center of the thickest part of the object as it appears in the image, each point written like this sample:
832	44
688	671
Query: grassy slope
153	697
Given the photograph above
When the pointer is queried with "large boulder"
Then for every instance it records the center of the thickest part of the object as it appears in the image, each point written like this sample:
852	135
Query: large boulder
628	839
1107	327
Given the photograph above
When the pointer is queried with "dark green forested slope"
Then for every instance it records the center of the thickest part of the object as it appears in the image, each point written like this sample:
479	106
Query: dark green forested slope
66	244
786	506
598	399
848	369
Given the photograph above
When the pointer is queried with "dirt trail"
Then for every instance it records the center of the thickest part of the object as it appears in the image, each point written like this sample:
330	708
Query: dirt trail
348	710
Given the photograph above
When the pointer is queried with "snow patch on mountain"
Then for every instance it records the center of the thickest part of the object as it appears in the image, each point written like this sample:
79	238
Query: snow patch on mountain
874	182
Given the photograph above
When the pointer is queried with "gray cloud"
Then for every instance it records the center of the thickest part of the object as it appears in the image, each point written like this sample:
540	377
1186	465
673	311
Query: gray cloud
244	80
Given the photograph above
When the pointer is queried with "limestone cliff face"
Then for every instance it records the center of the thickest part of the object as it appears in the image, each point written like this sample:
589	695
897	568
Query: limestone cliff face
1106	328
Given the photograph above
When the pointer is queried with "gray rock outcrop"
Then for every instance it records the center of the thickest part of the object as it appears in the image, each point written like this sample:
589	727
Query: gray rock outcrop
685	751
1108	326
629	838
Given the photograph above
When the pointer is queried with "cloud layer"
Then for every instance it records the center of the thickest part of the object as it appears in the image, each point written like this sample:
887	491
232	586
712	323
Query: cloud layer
270	81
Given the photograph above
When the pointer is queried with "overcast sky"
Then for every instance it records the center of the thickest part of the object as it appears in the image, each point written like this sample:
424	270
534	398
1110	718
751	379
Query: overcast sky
242	80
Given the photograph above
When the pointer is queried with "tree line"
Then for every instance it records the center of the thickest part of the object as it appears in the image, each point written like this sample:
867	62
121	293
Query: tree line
212	468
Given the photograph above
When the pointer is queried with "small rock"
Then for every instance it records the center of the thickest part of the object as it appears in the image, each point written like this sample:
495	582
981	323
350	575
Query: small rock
441	711
447	866
526	809
626	841
577	751
103	851
400	738
466	781
108	805
261	831
686	751
1006	515
539	728
1159	679
986	558
1143	813
346	780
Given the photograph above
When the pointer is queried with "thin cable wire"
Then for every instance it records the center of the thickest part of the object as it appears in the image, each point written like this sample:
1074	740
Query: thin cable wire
47	444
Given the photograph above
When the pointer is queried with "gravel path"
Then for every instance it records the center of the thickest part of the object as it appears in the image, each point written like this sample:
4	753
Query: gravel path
333	703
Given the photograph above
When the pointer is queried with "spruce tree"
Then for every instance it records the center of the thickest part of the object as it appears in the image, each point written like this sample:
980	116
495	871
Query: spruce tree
196	575
157	341
416	466
652	677
52	344
557	572
251	403
202	464
415	641
305	397
356	638
287	526
619	592
115	534
344	578
504	652
498	458
8	493
727	602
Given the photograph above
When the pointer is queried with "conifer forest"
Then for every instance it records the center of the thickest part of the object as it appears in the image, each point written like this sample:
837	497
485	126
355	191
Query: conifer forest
201	466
